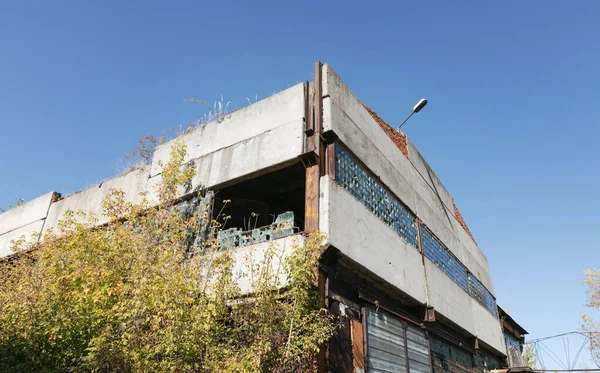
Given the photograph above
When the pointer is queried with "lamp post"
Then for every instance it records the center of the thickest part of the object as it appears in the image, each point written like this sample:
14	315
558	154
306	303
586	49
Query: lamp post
420	105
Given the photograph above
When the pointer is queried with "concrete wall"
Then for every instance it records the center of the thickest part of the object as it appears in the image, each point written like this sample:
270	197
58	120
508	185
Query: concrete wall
285	109
23	221
90	200
257	139
414	183
245	260
364	238
411	180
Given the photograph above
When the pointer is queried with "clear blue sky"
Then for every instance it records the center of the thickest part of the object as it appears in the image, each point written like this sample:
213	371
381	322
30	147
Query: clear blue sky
511	128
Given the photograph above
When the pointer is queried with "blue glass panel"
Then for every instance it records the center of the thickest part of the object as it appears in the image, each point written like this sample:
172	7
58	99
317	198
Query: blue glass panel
441	257
513	341
372	194
482	295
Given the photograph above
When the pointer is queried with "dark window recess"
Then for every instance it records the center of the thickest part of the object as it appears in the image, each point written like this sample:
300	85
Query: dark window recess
512	341
261	209
447	357
486	362
199	206
389	340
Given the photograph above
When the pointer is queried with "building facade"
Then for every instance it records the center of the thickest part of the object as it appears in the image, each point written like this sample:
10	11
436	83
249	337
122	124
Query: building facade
400	268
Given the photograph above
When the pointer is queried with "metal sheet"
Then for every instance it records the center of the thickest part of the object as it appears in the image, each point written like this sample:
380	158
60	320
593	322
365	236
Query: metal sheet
385	343
418	350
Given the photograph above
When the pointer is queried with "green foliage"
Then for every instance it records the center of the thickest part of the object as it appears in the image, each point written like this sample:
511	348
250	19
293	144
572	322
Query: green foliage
530	356
127	297
11	206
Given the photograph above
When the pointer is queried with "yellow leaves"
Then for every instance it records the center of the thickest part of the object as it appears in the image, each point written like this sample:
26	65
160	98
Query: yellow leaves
592	285
124	296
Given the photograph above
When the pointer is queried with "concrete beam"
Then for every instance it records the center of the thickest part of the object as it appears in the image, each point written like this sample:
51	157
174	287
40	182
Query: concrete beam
259	118
27	213
423	169
246	258
361	236
90	200
487	327
344	115
449	299
25	232
265	152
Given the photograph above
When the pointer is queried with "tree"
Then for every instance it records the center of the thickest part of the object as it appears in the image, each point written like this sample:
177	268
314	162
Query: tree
592	284
146	293
530	356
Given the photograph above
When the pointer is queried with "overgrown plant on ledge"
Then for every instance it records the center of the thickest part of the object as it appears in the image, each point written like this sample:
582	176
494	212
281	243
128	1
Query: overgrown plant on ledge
127	296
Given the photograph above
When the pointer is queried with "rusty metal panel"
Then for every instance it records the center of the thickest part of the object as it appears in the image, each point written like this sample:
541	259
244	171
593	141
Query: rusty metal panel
385	343
311	212
358	344
313	169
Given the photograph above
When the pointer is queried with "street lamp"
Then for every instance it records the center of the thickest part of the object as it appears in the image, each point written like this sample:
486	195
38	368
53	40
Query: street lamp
420	105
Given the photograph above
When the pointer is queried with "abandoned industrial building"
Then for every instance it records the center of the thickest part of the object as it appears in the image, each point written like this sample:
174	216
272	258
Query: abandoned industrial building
400	262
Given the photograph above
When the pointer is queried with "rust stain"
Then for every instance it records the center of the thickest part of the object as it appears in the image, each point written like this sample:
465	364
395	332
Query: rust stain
358	346
398	138
462	222
311	214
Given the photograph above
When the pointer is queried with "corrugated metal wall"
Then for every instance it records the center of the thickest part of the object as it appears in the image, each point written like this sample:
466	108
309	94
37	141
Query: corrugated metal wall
388	340
418	350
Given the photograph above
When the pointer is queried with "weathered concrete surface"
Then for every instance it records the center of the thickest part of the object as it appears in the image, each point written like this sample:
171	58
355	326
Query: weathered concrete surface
487	327
90	200
364	238
16	234
27	213
280	109
345	115
412	180
265	152
449	299
245	260
428	175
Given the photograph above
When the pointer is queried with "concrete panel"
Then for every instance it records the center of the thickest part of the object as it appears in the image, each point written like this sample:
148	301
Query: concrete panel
440	227
488	328
448	298
245	260
16	234
419	163
360	235
474	258
480	270
91	199
391	166
268	150
27	213
281	108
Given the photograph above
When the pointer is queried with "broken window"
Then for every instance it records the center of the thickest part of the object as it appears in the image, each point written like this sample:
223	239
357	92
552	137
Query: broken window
260	209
